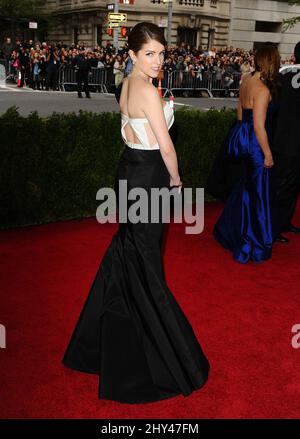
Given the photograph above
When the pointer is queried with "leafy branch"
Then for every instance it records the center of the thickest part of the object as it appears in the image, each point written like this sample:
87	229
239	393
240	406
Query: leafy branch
291	22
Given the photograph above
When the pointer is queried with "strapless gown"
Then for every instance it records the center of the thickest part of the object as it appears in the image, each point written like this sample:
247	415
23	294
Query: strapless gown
247	226
131	331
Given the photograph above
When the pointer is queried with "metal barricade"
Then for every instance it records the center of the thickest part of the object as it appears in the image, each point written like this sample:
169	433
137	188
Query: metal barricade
66	76
217	82
192	80
97	78
227	82
4	71
236	82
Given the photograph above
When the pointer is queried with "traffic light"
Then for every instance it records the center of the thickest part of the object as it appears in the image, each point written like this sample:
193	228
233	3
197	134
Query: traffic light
124	31
110	32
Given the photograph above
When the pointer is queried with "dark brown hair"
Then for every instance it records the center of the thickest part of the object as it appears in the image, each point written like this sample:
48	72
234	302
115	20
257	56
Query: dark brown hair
297	52
142	32
267	62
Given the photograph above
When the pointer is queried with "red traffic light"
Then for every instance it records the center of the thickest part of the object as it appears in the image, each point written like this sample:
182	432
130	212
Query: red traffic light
124	31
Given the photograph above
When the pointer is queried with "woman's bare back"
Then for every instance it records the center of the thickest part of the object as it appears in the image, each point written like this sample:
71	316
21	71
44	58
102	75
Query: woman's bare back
131	105
249	89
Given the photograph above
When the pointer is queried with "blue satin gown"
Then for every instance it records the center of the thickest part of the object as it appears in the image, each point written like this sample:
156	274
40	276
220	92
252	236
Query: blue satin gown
247	226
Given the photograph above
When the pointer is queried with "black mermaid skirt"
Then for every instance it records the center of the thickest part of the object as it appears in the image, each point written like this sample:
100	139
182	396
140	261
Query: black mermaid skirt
131	330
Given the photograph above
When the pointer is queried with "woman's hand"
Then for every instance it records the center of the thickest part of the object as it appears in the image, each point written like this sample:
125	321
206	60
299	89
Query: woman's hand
176	182
268	162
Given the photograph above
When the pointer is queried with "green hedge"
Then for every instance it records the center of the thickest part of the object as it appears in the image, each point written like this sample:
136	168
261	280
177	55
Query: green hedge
51	168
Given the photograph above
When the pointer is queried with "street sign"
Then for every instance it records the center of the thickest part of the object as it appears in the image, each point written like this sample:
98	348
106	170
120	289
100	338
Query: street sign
111	7
33	25
163	22
114	16
113	24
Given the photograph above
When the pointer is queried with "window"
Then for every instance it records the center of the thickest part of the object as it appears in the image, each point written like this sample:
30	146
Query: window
187	35
267	26
75	34
191	2
98	35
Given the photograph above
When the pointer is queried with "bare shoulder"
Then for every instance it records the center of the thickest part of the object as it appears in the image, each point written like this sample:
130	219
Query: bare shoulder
148	89
149	97
261	91
246	76
143	88
141	97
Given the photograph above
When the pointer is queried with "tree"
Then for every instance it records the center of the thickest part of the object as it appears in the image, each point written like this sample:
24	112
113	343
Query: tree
13	12
290	22
16	9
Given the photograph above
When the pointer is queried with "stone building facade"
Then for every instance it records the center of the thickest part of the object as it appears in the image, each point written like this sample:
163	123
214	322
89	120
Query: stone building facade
255	21
206	23
198	22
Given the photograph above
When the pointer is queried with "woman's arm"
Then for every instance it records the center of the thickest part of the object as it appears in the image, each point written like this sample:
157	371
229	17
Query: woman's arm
154	112
239	111
260	106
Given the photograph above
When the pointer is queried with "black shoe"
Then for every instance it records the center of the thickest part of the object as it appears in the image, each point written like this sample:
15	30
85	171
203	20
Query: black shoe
281	238
293	229
80	96
88	96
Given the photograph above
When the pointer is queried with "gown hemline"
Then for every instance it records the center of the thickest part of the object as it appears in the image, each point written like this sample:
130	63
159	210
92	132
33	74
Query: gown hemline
139	401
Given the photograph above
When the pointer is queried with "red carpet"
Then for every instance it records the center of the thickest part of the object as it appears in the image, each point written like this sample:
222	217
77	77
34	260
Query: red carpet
242	315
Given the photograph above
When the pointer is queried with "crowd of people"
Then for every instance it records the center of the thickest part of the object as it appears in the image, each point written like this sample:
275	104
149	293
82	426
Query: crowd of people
37	64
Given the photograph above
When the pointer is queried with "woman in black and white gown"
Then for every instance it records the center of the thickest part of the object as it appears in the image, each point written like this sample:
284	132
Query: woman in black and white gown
131	330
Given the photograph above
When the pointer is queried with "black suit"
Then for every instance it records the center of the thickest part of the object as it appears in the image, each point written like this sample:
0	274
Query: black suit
83	65
286	147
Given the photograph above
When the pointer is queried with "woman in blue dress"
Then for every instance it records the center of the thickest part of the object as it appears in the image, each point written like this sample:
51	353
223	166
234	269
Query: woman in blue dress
247	225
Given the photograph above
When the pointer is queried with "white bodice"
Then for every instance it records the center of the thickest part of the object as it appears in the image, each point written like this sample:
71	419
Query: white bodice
138	126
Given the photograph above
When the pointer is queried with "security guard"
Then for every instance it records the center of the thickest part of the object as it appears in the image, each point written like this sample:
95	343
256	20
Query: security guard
83	66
